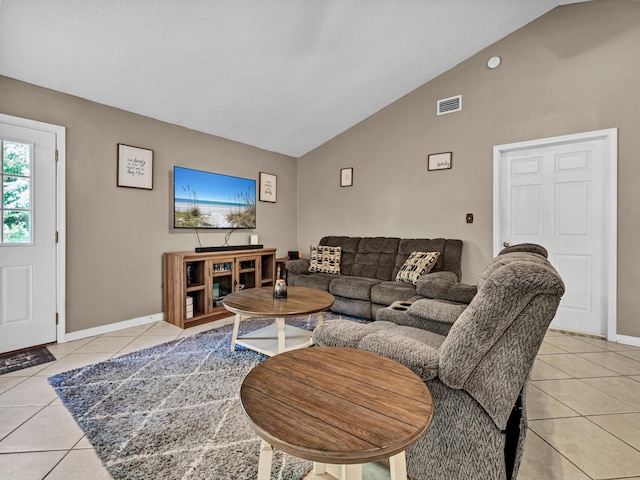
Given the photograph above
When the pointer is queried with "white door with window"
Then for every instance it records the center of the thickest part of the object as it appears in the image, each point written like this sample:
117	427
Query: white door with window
557	193
28	250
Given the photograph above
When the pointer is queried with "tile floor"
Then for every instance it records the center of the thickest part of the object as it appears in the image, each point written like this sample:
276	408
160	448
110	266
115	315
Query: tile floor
583	407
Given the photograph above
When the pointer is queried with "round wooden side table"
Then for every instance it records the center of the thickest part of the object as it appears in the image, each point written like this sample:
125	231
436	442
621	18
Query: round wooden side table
337	406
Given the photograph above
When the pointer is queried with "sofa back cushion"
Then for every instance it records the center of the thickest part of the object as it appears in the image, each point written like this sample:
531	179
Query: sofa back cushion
348	246
371	257
383	257
450	259
375	258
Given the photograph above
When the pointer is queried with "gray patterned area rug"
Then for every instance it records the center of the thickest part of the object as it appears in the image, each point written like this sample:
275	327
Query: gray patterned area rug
173	411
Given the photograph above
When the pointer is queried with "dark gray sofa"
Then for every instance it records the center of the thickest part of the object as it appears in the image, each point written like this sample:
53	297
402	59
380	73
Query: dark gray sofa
368	268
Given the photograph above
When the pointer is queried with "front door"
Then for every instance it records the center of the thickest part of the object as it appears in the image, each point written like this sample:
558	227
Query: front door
555	194
28	239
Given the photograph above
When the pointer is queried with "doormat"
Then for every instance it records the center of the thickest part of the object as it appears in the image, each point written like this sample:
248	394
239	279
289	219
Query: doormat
11	362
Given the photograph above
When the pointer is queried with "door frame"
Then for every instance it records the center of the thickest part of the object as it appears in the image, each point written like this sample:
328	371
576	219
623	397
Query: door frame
61	221
610	222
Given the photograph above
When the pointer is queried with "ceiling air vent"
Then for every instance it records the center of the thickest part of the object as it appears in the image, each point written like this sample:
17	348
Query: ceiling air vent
449	105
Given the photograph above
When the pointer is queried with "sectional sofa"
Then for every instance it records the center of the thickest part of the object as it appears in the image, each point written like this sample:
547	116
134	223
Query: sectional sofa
364	279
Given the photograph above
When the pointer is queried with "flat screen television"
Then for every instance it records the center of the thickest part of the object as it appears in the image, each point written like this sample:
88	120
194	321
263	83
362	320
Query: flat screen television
212	200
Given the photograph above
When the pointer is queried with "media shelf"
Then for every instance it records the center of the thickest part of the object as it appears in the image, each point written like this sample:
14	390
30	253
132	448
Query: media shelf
195	283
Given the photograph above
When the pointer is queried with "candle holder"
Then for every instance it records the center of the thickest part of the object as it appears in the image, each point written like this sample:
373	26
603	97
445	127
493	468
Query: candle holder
280	289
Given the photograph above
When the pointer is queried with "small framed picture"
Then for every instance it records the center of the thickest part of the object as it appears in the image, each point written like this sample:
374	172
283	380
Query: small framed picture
268	187
440	161
346	177
135	167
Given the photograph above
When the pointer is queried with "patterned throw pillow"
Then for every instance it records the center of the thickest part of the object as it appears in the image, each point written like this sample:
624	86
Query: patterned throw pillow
325	259
418	264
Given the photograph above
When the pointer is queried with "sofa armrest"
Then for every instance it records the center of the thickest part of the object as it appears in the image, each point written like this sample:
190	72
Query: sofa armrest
461	293
420	358
435	284
299	266
445	286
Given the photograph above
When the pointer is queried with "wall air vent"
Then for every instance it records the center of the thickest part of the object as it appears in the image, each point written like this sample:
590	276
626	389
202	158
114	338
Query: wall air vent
450	105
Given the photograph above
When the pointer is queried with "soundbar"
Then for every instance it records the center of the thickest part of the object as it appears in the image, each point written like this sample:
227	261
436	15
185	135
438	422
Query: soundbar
226	248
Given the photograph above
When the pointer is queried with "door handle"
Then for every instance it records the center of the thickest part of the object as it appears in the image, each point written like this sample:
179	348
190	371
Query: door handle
505	244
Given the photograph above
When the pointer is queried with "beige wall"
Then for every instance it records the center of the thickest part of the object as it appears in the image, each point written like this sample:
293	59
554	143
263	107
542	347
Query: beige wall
575	69
116	236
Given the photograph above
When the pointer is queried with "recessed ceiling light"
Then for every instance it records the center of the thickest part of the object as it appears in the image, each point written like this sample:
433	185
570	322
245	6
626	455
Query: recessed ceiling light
494	62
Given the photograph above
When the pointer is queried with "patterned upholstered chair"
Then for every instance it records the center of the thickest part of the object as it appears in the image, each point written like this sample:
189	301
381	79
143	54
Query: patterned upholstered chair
477	374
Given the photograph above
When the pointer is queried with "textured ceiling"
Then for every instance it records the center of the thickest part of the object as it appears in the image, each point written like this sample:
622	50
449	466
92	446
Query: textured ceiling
283	75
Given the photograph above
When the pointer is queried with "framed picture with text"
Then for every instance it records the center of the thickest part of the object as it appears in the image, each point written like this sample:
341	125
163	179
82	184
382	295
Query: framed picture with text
268	187
135	167
440	161
346	177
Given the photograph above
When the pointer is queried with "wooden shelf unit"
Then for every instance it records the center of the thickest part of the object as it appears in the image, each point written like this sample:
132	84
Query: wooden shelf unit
207	277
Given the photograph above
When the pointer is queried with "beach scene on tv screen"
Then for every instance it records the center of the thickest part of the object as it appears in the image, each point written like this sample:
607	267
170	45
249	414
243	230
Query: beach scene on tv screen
211	200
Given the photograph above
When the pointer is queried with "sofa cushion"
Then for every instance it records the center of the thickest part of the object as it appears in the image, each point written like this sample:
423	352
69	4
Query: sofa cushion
324	259
414	348
416	265
358	288
385	293
375	257
345	333
319	281
352	307
438	310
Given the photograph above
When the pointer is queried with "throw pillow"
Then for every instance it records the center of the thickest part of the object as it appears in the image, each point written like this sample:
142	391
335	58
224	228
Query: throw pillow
325	259
418	264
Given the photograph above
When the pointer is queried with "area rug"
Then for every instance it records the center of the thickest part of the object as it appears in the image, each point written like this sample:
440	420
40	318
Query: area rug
173	411
24	359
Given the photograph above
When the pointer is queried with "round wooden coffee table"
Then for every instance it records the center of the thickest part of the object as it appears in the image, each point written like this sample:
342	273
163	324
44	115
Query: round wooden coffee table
277	337
337	406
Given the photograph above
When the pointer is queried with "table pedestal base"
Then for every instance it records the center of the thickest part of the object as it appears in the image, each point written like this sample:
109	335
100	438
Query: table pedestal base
272	339
397	464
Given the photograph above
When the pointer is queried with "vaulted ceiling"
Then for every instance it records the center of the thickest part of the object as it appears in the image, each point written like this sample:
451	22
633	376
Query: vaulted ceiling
283	75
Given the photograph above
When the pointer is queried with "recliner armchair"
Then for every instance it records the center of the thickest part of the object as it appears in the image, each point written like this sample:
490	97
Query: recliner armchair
477	374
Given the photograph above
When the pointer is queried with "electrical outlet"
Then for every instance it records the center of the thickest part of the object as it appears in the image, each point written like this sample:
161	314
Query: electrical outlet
469	217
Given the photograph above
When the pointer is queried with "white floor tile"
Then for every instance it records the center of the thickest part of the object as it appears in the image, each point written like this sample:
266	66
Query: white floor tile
80	465
28	466
52	428
105	345
32	391
9	382
73	360
592	449
12	417
542	462
582	398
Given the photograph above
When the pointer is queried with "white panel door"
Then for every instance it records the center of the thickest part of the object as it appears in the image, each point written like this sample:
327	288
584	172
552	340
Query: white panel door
554	195
28	239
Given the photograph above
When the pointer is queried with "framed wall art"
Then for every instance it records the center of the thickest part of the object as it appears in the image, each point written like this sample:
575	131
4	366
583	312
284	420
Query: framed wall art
346	177
440	161
135	167
268	187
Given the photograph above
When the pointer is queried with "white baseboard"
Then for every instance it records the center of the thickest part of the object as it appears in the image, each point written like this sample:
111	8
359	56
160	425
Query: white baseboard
627	340
111	327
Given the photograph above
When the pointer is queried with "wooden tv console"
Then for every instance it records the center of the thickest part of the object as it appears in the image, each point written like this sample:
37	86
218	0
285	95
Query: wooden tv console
195	283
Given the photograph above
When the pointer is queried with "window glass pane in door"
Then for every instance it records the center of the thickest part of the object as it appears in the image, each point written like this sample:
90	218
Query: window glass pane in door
16	227
17	186
16	158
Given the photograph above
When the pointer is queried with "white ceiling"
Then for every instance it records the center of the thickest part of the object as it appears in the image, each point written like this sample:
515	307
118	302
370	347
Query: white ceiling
283	75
